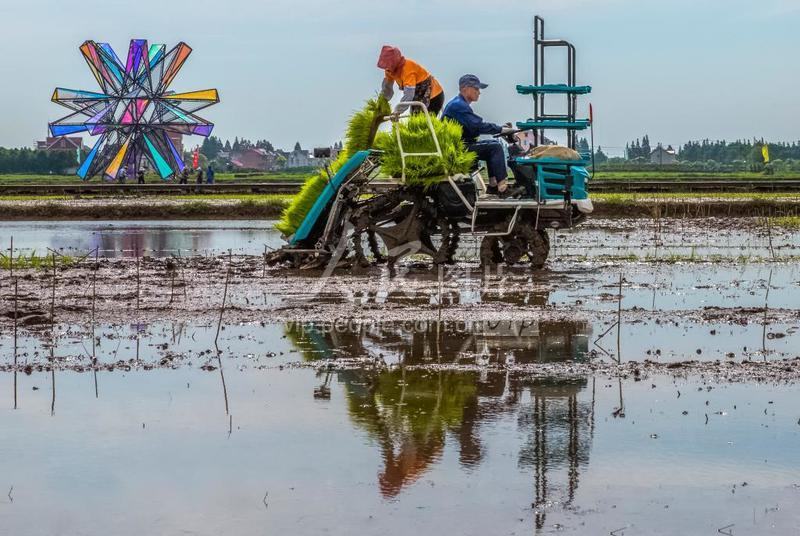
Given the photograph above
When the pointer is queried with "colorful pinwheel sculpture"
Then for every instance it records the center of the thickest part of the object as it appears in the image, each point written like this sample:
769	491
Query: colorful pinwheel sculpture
135	114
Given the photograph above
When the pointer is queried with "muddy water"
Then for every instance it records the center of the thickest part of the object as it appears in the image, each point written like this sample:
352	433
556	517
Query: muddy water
671	239
393	451
490	404
155	238
647	239
410	342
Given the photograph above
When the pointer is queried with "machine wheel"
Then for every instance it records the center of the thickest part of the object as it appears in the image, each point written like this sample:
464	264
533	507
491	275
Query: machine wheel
537	245
546	238
513	249
490	252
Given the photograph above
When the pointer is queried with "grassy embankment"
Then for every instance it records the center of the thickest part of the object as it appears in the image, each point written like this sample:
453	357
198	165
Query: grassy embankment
779	206
783	208
289	175
299	175
634	197
692	175
163	207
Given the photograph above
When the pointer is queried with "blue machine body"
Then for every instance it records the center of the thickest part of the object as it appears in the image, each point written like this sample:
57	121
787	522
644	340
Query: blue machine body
553	175
327	196
554	88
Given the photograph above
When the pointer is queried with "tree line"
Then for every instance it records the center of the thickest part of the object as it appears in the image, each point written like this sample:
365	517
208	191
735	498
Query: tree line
711	155
212	146
739	150
720	151
637	149
26	160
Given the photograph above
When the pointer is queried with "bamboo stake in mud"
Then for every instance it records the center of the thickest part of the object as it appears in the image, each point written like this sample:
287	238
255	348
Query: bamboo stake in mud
183	274
53	399
53	336
619	320
264	267
222	376
11	258
53	382
653	307
94	300
224	298
171	285
137	279
53	299
769	235
766	307
16	314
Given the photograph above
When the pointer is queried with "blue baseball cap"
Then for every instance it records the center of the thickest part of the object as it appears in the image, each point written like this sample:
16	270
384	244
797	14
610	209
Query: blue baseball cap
470	80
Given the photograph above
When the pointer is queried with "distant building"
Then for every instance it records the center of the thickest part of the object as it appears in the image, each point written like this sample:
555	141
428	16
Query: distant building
336	149
266	159
72	145
299	158
65	143
662	156
254	158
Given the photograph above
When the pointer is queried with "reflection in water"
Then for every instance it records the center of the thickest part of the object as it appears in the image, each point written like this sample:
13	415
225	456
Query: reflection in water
464	287
153	238
486	446
427	342
560	431
410	412
158	242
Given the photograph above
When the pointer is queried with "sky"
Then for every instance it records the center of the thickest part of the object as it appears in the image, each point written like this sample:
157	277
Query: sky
294	70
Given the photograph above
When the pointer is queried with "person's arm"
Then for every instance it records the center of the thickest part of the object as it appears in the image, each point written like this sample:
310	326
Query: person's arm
387	88
408	95
489	128
410	81
472	122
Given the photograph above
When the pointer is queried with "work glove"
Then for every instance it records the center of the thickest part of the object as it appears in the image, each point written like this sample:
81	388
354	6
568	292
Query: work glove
507	129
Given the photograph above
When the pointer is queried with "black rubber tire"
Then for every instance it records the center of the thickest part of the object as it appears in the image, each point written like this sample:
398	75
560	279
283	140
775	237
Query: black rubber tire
514	249
546	237
538	245
490	251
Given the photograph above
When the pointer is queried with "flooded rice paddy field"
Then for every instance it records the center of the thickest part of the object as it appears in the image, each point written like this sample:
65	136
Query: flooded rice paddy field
506	402
389	451
648	239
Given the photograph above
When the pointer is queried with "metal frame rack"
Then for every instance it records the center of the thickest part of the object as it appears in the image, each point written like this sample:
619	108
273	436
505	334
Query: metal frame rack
541	119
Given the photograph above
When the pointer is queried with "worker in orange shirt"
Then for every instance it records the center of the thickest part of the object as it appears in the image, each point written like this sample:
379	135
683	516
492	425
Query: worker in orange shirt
416	83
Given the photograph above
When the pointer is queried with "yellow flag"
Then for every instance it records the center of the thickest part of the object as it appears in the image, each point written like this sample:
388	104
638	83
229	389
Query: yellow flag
765	153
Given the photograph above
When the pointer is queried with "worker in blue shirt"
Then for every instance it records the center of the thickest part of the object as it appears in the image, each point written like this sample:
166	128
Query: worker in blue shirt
472	125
